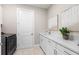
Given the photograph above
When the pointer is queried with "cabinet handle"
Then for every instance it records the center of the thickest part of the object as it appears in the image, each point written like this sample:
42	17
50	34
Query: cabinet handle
55	52
31	34
67	53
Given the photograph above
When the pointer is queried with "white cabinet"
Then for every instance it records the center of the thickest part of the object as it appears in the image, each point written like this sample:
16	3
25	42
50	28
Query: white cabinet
65	51
52	48
47	45
43	43
41	40
59	52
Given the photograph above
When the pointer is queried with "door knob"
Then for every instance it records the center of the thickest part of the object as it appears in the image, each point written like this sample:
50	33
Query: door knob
31	33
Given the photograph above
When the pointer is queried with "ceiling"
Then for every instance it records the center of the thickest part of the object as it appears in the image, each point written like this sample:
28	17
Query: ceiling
46	6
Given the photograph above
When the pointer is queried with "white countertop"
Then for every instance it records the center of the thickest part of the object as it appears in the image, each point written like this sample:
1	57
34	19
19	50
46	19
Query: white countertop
56	37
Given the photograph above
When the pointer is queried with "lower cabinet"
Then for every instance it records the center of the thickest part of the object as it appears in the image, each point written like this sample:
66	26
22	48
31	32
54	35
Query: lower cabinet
65	51
52	48
43	43
59	52
47	45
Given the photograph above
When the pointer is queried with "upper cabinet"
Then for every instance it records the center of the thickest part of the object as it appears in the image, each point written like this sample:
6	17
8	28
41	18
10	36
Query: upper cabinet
0	14
52	23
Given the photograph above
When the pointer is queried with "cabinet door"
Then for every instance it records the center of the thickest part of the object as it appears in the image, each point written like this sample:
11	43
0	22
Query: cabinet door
59	52
68	52
65	50
41	40
43	43
47	45
50	48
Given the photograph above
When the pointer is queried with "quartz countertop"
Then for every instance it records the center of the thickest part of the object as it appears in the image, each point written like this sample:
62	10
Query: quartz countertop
57	38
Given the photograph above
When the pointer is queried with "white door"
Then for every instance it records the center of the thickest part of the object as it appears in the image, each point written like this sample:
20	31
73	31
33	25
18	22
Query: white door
25	28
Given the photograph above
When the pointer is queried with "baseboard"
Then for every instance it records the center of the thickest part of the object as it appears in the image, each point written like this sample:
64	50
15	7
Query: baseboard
36	45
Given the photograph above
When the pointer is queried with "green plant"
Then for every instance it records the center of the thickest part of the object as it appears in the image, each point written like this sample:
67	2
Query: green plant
64	31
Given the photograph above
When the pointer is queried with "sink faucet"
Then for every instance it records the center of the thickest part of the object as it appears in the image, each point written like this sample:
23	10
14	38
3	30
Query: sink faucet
49	32
77	44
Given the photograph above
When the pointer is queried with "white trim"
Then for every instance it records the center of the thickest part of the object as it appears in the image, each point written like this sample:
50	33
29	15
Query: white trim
36	45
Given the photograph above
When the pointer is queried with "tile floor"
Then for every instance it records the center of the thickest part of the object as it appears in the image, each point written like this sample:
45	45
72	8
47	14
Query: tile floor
30	51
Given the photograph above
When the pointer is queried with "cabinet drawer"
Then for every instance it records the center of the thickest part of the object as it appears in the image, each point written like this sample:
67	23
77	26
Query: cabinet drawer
51	43
59	52
65	50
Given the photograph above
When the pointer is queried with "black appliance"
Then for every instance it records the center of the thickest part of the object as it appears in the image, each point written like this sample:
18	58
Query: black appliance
9	44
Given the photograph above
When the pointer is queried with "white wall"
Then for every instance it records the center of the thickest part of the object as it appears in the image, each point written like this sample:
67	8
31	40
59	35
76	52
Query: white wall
57	9
0	25
0	14
40	23
10	18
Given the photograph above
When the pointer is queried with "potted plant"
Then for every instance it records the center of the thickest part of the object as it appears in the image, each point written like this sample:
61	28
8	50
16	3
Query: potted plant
65	32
